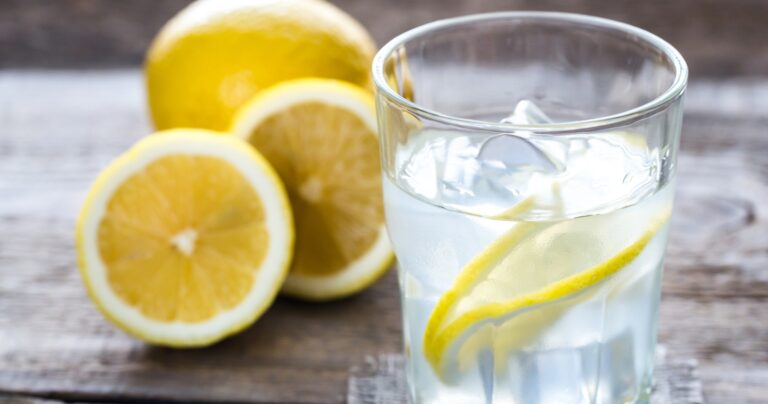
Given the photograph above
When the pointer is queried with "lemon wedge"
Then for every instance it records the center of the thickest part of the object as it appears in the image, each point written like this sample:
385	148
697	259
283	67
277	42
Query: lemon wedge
526	279
320	135
186	238
213	56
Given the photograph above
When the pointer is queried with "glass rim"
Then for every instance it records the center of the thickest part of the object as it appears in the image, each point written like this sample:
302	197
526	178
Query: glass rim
661	102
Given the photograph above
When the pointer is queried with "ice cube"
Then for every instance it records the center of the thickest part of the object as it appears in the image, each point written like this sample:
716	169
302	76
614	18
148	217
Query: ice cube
493	175
508	151
483	174
545	154
527	113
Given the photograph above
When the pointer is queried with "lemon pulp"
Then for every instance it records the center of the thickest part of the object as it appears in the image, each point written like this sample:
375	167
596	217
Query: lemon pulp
182	239
320	136
186	238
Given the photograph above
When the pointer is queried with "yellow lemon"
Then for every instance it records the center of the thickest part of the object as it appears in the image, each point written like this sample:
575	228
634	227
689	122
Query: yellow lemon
214	55
320	135
526	279
186	238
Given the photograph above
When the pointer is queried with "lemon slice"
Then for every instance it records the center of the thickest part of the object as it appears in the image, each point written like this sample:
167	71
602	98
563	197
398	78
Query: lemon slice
320	135
186	238
518	278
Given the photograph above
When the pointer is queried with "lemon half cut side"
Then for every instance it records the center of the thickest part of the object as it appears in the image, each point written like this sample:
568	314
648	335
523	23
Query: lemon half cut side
321	137
186	238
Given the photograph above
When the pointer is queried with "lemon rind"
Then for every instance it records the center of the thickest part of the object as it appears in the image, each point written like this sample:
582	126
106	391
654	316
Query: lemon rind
437	339
350	45
358	275
372	265
286	94
269	277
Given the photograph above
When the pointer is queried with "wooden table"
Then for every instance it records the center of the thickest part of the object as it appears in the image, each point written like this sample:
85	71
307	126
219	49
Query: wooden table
59	128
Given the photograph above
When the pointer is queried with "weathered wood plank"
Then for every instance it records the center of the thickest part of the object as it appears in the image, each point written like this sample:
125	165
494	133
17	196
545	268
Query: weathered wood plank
737	385
26	400
58	129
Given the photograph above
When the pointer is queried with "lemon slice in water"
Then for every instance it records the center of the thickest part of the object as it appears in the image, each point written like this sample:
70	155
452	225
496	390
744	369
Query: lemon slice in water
534	264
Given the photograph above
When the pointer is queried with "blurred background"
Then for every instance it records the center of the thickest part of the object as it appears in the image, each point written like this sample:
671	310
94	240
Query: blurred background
719	38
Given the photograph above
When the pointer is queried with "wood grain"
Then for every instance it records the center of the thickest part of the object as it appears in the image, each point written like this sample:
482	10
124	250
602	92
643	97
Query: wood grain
26	400
59	128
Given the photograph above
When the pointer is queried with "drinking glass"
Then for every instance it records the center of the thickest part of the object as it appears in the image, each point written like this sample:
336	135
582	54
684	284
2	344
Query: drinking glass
528	166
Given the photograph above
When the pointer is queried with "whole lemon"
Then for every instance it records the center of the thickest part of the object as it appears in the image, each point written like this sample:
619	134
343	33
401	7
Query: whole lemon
215	54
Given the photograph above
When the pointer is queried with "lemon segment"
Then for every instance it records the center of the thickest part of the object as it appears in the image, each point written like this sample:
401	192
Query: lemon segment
186	238
531	266
320	135
215	55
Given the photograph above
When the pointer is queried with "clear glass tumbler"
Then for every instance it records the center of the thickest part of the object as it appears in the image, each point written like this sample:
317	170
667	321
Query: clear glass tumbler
528	172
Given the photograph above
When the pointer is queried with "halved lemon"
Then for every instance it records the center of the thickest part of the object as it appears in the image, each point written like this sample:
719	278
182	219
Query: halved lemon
186	238
530	276
320	135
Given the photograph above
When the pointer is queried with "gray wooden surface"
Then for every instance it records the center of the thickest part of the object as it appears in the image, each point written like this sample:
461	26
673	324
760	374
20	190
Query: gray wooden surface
59	128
